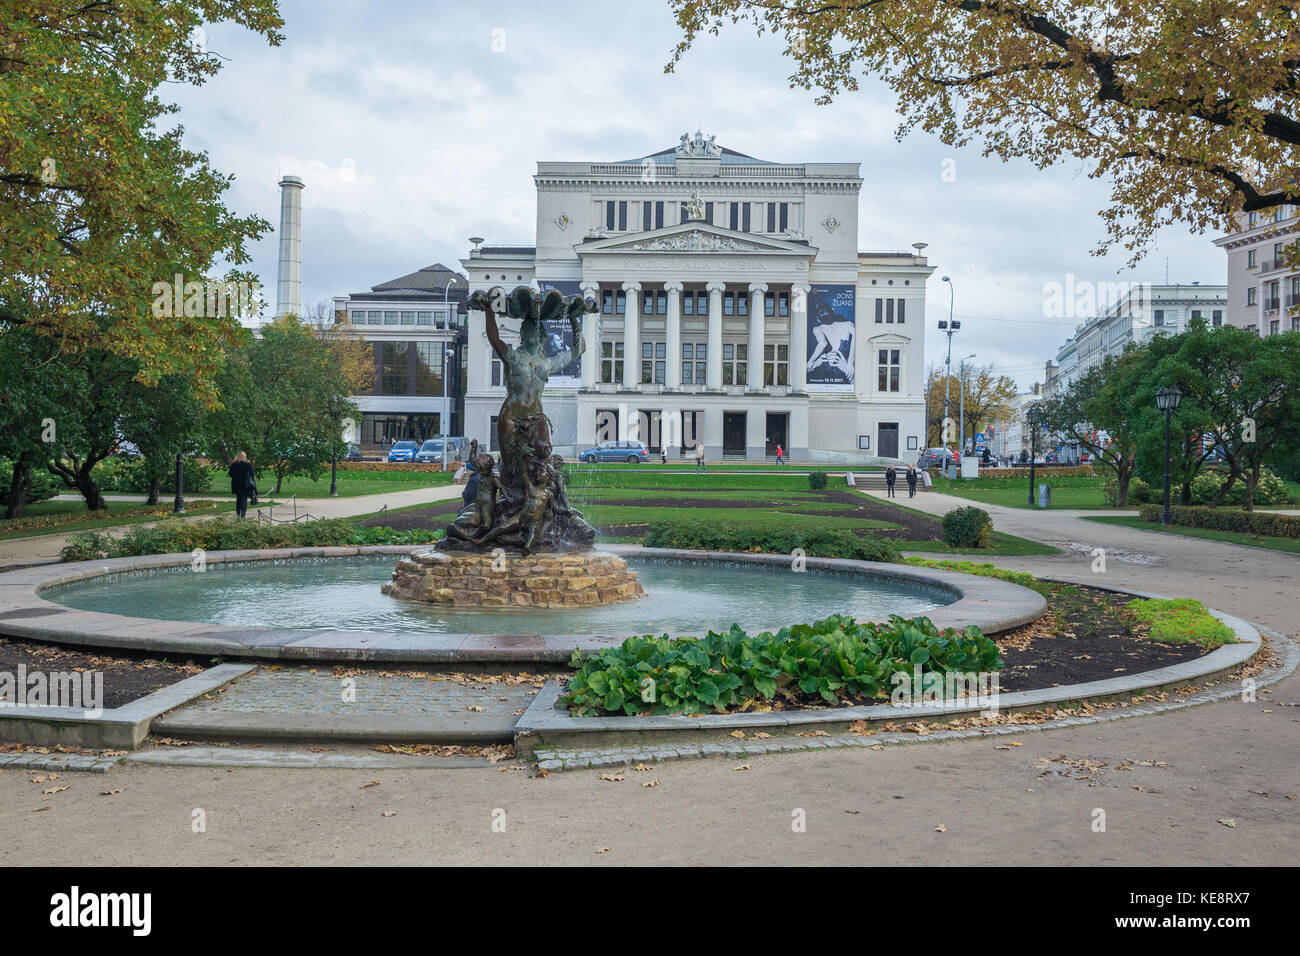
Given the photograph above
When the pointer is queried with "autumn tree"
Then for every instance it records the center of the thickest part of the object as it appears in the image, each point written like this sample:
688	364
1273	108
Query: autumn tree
353	355
99	198
988	398
1189	107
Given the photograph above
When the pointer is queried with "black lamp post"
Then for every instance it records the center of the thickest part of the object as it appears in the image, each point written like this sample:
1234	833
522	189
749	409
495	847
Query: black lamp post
948	327
1167	399
1033	416
178	507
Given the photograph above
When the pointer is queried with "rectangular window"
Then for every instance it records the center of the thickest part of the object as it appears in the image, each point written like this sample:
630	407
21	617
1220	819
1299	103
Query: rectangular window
620	303
1160	317
783	303
376	318
646	212
609	216
408	318
728	303
1217	318
358	318
1274	327
688	303
653	362
1196	313
390	318
424	318
735	217
784	224
734	364
393	375
611	363
496	373
492	433
771	217
647	303
682	214
901	303
661	303
701	303
607	301
1252	258
659	215
708	213
744	216
769	303
1250	295
880	311
429	359
742	303
887	370
776	364
622	216
889	311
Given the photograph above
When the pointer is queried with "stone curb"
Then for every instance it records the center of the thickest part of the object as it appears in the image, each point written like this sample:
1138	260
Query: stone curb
987	603
554	759
119	728
544	725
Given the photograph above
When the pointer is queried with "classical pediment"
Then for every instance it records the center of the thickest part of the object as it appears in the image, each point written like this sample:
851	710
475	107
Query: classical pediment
691	237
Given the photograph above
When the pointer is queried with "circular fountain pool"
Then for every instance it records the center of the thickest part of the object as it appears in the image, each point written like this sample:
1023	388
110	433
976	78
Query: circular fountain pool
342	594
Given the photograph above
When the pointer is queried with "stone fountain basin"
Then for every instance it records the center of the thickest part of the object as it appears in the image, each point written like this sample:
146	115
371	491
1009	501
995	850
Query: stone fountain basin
986	603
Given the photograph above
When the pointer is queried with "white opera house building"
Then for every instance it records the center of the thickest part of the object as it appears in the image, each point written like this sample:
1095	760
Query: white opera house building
734	309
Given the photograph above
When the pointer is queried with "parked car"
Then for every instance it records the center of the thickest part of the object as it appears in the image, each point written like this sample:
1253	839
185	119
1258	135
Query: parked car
933	458
353	453
431	450
402	451
629	451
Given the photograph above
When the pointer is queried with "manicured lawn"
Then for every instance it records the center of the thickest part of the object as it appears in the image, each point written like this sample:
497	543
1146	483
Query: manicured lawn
1291	545
118	514
1068	491
351	483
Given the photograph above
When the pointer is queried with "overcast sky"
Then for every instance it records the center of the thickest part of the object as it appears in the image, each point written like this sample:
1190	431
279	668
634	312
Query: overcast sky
412	134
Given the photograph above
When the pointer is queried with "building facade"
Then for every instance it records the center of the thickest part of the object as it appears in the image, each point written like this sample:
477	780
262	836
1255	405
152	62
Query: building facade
416	325
1263	291
734	309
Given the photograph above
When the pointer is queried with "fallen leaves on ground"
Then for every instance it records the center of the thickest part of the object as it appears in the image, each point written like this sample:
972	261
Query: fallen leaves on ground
651	783
1229	822
743	766
941	828
367	786
109	793
612	777
494	753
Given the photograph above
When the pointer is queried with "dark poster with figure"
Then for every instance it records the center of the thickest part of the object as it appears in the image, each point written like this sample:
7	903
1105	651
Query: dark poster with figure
832	335
559	336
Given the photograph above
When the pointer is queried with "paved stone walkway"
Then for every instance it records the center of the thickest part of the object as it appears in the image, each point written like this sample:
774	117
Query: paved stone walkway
346	703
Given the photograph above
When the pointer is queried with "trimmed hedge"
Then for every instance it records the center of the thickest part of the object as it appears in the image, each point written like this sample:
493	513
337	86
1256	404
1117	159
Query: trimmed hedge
1227	519
968	527
832	661
720	536
232	534
1045	472
816	480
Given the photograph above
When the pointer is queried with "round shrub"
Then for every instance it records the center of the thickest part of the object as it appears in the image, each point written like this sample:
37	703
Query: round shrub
817	480
968	528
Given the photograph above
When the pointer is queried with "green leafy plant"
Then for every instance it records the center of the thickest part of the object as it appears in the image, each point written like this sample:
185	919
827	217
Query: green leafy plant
968	527
816	480
1264	523
1181	621
827	662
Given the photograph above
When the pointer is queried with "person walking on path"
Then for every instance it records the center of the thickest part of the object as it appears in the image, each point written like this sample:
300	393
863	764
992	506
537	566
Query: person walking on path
699	459
780	455
242	483
663	454
911	481
891	476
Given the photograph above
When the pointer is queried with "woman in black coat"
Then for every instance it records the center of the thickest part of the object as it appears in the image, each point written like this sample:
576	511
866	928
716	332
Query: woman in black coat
242	483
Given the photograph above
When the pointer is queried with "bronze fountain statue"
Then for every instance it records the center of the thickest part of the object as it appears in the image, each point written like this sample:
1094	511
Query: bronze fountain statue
520	543
522	504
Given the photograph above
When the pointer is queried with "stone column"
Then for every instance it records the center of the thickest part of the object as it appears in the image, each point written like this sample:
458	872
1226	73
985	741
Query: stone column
714	368
757	323
673	345
591	339
799	336
632	336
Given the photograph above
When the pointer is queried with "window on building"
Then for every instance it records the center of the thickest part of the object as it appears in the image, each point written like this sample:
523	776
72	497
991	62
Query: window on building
776	364
880	311
742	303
701	303
390	318
647	214
496	373
622	216
1216	319
424	318
744	216
661	302
783	303
708	213
778	216
492	433
735	364
901	303
771	217
358	318
889	311
688	303
734	219
1252	258
610	213
611	363
1274	327
694	363
1295	323
620	303
428	368
1277	255
648	302
376	318
1252	218
728	303
408	318
1251	298
393	376
1160	317
607	301
659	215
653	362
888	368
769	303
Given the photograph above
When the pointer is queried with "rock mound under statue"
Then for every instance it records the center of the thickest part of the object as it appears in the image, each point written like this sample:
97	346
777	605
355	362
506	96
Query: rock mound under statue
570	579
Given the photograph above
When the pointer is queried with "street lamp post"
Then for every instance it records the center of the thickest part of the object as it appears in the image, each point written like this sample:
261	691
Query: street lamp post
334	444
961	414
1167	399
1033	416
178	507
446	432
948	327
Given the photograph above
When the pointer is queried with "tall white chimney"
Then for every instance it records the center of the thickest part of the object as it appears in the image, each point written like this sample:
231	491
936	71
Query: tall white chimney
289	277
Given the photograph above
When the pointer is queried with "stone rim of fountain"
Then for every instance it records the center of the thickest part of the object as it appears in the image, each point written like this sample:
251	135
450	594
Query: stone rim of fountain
988	603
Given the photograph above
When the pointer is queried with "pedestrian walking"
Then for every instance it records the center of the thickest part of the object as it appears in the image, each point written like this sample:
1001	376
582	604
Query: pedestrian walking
663	455
243	485
911	481
780	454
891	476
699	459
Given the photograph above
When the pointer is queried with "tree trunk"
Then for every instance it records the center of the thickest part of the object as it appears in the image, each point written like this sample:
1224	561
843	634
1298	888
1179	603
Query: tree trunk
1248	496
1185	495
1233	474
155	490
279	480
19	487
90	490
